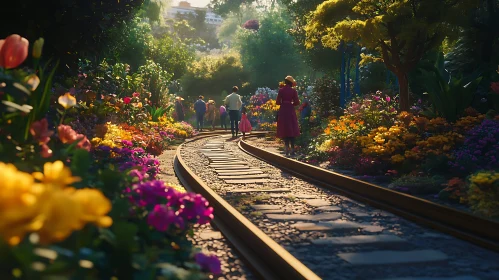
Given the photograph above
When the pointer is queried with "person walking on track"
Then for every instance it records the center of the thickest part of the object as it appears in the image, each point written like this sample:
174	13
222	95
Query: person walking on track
179	109
244	124
200	108
211	113
223	117
287	122
233	102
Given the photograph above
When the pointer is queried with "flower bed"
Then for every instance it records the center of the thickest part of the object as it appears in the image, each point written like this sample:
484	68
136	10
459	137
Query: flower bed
80	195
412	153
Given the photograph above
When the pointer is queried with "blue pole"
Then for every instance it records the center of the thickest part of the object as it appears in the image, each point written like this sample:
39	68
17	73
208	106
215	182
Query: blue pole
356	88
348	94
342	74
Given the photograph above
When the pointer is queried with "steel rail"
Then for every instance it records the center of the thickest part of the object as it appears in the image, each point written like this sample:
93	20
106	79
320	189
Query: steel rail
266	258
478	230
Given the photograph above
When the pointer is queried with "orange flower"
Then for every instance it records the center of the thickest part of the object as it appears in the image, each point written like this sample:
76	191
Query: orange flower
13	51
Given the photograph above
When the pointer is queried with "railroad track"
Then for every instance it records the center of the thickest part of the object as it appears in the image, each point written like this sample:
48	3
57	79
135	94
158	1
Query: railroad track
236	175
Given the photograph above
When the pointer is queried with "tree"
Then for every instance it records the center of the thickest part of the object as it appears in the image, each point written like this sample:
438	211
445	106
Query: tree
318	57
269	54
195	25
130	43
72	29
401	31
213	74
233	21
478	45
172	54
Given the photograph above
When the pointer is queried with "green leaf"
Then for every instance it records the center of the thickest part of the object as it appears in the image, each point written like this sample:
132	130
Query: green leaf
110	180
125	233
80	162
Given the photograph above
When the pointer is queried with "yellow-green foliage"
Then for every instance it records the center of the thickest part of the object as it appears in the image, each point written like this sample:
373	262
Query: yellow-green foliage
394	25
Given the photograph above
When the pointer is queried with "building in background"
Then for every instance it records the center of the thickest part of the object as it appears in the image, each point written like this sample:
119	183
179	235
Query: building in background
185	7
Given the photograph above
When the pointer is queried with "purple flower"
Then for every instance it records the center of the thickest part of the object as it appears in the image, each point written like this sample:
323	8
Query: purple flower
195	208
208	263
127	143
161	217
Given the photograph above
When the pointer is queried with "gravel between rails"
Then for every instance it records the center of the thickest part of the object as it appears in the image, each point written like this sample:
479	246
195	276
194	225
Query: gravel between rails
464	259
205	236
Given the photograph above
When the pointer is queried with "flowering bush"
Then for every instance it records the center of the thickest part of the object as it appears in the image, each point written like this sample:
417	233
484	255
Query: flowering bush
267	126
480	149
374	110
60	189
483	193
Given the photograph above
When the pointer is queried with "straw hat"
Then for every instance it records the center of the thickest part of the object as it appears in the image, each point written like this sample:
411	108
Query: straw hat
291	79
211	101
179	98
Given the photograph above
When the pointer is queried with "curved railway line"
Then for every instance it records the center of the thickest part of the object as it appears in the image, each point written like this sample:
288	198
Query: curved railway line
269	260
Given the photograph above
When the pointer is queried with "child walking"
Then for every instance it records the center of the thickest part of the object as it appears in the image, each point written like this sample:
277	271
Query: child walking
244	124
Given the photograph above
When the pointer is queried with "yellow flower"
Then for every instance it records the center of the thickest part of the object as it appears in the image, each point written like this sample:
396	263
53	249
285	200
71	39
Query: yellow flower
397	159
56	174
61	217
94	207
19	203
96	141
67	100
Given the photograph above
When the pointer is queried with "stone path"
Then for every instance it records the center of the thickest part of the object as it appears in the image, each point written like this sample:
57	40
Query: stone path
231	169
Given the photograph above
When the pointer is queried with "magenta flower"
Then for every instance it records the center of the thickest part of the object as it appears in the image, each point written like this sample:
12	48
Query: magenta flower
208	263
388	99
196	208
162	217
127	100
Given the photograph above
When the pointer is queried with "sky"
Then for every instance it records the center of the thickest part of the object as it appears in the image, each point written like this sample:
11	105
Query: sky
194	3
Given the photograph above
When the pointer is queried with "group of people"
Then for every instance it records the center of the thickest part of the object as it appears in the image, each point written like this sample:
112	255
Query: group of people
287	122
232	108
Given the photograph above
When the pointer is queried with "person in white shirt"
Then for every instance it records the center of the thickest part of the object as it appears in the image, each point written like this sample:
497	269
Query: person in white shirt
233	103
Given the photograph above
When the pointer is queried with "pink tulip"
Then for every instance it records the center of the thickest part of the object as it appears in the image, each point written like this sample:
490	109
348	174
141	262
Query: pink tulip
13	51
66	134
45	152
40	131
135	94
388	99
83	143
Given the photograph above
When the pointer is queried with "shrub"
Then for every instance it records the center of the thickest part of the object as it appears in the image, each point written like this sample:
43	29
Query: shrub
418	185
326	96
480	149
484	193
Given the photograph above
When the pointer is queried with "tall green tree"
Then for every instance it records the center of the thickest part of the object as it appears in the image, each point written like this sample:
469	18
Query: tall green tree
318	57
401	31
269	53
213	74
198	29
172	54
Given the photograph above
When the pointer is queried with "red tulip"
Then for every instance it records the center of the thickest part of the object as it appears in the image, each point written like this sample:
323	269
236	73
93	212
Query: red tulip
127	100
13	51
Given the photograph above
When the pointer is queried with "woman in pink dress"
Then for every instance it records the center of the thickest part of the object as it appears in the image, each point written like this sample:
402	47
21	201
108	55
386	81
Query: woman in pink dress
244	124
287	123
